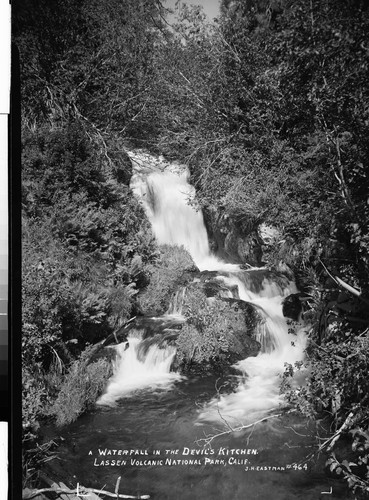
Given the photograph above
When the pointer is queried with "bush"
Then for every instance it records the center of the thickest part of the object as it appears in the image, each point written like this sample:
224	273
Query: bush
60	303
58	161
338	389
34	402
81	387
205	337
201	346
86	246
332	389
165	277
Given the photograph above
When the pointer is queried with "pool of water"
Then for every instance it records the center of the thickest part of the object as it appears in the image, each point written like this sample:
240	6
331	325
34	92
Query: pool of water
161	427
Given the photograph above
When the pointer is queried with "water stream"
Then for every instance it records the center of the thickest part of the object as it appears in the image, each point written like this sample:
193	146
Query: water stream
133	371
148	407
168	200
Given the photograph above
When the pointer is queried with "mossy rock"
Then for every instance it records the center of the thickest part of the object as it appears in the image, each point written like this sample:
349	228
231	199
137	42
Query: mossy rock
218	333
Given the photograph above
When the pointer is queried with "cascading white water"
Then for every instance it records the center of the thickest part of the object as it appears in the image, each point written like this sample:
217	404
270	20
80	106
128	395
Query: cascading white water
165	195
258	390
132	374
168	200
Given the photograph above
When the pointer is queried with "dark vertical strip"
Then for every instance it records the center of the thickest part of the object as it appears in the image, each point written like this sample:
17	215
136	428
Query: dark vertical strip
15	431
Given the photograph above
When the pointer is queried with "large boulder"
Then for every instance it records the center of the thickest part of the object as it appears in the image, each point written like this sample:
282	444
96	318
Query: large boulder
241	346
219	330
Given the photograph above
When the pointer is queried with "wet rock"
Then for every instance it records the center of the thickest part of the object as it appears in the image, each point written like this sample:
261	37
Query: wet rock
162	341
242	247
145	327
233	239
216	328
242	346
261	281
265	282
215	288
292	307
269	235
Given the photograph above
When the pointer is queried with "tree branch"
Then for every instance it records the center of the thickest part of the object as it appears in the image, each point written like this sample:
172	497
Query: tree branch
208	440
351	419
345	285
80	490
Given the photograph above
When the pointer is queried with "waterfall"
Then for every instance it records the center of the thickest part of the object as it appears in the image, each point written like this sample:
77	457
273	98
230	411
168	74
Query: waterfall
258	391
259	385
169	203
134	370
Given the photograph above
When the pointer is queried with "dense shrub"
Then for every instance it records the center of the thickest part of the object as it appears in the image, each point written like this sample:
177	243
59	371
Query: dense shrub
80	388
166	275
338	389
34	402
86	245
206	335
61	161
201	346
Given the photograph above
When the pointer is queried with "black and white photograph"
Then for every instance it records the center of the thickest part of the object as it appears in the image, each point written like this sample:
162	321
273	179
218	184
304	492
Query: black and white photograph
194	278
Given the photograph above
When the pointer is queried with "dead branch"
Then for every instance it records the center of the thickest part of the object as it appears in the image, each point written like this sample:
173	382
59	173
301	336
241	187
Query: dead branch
116	491
339	358
208	440
297	433
80	490
350	420
341	179
345	285
218	410
57	358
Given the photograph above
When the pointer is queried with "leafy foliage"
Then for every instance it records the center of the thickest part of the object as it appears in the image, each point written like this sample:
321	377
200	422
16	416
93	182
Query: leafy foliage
338	388
200	347
80	388
86	243
206	336
166	275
